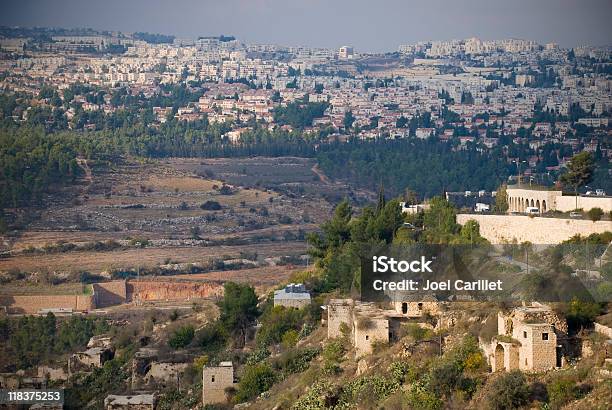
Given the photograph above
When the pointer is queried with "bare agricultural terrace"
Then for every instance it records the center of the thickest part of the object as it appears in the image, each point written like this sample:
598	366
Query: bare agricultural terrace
224	218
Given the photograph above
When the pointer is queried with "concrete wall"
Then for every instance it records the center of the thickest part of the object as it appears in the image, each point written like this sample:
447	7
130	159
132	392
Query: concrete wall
31	304
500	228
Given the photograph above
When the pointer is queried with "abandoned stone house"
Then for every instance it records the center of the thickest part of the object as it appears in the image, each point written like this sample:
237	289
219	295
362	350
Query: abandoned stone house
527	339
293	295
90	358
164	374
215	381
132	402
52	373
141	364
368	325
19	380
104	341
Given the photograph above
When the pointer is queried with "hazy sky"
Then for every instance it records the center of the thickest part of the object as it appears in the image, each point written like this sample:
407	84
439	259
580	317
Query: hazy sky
369	25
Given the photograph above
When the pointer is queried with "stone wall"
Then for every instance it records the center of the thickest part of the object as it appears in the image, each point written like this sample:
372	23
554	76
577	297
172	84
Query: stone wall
604	330
369	331
544	200
31	304
568	203
504	228
214	382
339	311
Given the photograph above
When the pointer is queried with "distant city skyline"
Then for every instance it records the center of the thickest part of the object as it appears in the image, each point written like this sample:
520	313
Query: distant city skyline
365	25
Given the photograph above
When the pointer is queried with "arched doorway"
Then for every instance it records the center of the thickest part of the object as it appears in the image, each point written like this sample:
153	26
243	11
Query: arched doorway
544	206
498	360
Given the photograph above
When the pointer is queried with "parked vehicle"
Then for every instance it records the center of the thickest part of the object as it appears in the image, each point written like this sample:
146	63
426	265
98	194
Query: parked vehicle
532	210
575	214
480	207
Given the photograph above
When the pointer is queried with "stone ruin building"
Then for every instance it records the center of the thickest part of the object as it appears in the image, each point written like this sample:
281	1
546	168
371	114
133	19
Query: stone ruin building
528	339
368	325
216	380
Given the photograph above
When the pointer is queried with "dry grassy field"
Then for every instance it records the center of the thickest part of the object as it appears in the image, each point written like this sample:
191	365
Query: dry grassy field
148	215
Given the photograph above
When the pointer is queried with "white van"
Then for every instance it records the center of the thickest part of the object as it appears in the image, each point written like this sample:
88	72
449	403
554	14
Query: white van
532	210
480	207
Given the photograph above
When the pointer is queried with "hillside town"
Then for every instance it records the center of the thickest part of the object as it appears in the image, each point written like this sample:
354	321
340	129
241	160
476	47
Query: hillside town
475	93
189	223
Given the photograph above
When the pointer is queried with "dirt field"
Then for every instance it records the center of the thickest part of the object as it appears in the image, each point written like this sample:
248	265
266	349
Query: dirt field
262	207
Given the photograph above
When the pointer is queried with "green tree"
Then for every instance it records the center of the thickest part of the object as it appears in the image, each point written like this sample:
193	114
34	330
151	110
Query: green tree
440	220
509	391
255	380
238	310
349	119
501	199
182	337
579	172
595	214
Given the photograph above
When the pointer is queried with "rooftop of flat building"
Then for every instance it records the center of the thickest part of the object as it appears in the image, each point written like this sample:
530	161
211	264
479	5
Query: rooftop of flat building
117	400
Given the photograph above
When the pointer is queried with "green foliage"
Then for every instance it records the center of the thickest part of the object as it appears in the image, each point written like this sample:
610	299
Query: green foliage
595	214
295	360
212	338
581	314
420	398
369	389
298	114
238	310
562	390
403	372
110	378
470	233
182	337
211	206
258	356
174	399
255	380
36	339
333	355
509	391
290	338
32	162
417	332
579	171
320	396
441	221
276	322
422	165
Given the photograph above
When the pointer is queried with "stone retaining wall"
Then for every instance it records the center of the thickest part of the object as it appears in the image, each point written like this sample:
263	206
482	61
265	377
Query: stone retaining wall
538	230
